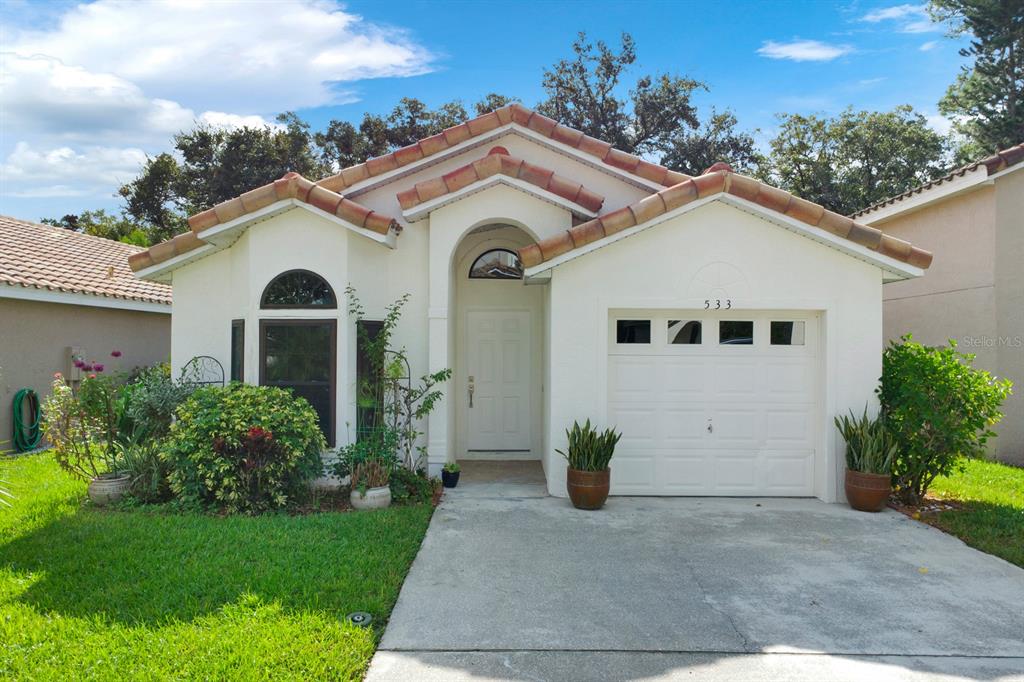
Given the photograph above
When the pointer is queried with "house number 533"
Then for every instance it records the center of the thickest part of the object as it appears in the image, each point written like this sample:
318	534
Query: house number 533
718	304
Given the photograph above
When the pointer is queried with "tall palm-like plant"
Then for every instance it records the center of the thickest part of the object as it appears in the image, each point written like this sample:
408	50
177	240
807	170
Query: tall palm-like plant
589	449
870	447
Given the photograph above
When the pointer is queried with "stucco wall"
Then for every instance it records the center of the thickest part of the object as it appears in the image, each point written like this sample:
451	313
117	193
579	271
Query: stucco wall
663	268
34	338
974	290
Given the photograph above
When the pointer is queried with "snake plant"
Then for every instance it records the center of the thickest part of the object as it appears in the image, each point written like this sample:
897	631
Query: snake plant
589	450
870	447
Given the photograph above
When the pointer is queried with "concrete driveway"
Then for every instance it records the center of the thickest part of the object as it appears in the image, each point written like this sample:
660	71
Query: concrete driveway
512	584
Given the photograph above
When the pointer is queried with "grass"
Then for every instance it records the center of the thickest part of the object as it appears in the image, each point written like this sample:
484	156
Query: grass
991	513
103	595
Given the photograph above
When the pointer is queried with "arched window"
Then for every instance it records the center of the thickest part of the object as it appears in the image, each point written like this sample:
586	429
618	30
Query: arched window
298	289
497	264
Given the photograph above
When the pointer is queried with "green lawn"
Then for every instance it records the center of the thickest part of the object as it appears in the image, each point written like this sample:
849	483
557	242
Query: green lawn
143	595
992	517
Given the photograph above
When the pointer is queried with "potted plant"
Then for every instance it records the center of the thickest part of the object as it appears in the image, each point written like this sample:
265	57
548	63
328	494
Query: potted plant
370	484
450	474
368	463
870	451
588	475
82	429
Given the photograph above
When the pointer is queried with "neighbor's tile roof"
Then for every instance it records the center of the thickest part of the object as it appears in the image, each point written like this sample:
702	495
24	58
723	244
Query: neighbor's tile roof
721	179
499	162
513	113
992	164
57	259
290	186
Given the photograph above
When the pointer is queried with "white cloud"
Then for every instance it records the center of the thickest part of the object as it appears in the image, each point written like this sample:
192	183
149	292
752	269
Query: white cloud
803	50
930	45
912	18
62	171
229	55
939	123
86	97
894	12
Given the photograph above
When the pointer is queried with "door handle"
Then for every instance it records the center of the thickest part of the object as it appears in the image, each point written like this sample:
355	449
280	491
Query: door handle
471	389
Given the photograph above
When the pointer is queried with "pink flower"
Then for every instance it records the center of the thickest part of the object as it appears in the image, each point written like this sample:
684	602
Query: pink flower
92	376
85	367
115	353
79	364
58	375
98	368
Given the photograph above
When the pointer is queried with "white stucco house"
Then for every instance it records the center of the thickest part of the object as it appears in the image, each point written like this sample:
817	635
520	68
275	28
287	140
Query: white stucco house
719	323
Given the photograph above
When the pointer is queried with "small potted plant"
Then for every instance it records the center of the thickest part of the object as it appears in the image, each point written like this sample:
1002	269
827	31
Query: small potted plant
870	451
588	476
450	474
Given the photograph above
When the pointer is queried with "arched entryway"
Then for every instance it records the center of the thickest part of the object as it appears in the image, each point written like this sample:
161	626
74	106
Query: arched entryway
498	332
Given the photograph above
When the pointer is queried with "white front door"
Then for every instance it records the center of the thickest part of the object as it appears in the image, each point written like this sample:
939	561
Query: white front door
714	403
497	381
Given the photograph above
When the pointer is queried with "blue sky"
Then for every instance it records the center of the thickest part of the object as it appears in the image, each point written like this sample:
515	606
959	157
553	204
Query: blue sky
90	89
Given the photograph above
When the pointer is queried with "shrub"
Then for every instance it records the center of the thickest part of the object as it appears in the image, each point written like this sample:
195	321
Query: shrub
149	403
243	448
411	487
589	450
72	428
141	460
870	448
939	409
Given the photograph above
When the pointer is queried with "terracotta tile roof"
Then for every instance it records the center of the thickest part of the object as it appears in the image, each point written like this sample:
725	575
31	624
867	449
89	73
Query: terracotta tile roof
993	164
499	162
56	259
513	113
290	186
720	179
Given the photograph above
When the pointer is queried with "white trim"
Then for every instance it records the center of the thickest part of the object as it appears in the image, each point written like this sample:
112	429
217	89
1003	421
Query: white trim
898	269
223	235
969	181
422	211
28	293
376	181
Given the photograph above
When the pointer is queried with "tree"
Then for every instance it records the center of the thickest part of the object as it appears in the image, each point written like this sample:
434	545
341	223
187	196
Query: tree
693	152
856	159
986	101
584	93
217	164
99	223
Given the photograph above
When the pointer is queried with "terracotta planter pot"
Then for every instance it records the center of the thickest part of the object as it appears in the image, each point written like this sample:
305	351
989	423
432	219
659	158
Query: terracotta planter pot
373	498
868	492
108	488
587	489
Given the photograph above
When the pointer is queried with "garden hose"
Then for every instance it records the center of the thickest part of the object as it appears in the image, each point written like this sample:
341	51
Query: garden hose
26	435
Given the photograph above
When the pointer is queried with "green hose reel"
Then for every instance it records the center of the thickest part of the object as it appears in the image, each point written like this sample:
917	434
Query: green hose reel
27	434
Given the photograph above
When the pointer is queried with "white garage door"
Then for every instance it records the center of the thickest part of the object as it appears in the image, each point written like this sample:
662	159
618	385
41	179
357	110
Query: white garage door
714	403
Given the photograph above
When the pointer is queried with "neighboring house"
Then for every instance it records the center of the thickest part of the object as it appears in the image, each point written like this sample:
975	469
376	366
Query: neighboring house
719	323
61	290
973	220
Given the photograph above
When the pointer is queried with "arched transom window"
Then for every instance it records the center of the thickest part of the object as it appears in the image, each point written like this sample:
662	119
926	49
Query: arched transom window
298	289
497	264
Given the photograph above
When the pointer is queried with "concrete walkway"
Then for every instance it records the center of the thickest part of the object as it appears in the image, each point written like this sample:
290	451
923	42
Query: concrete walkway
512	584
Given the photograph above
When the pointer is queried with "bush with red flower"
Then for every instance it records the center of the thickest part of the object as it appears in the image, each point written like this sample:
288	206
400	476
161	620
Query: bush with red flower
243	449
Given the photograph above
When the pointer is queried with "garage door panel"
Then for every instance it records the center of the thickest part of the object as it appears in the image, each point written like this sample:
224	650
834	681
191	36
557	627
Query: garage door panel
759	399
636	473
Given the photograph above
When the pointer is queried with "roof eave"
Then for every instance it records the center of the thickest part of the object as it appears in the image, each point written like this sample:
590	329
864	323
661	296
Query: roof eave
892	269
422	211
